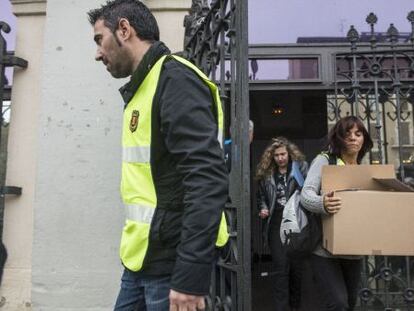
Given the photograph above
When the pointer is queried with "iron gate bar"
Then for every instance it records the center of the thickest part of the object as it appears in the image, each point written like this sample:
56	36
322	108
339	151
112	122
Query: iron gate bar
241	124
10	60
11	190
376	51
393	34
6	93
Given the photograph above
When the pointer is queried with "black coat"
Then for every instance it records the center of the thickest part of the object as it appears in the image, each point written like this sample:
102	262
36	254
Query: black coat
266	194
189	174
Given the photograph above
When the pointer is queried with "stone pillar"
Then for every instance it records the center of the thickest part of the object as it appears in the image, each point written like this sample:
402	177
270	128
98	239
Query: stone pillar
170	16
22	144
78	215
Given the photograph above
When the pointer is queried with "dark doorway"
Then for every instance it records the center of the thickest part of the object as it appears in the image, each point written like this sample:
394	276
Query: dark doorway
300	116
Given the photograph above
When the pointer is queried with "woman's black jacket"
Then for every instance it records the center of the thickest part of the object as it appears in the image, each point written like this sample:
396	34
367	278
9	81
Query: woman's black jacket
266	194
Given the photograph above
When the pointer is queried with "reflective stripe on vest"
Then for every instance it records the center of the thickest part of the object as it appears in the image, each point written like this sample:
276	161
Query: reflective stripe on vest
136	154
137	186
139	213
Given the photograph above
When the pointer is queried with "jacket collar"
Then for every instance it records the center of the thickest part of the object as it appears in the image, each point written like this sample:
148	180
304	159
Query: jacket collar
155	52
289	174
296	173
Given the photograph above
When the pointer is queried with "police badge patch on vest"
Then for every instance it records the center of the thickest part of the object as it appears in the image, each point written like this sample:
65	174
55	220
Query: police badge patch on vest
133	124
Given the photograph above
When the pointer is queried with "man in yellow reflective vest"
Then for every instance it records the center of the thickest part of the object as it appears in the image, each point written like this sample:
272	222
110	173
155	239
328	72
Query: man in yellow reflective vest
174	182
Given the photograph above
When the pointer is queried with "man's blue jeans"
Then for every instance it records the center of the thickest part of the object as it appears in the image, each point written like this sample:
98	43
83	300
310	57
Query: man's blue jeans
141	292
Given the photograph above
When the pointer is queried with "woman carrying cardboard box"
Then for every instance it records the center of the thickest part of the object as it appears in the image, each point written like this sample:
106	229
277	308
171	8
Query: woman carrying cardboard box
337	277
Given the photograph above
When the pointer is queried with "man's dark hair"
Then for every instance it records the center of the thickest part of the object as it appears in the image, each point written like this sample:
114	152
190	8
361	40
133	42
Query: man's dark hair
337	136
138	15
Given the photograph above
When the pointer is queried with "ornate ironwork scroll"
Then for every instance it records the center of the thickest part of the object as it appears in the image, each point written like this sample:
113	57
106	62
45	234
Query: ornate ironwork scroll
375	81
216	41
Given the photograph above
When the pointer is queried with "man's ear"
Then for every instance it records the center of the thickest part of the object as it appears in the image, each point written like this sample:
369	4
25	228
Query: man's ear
125	31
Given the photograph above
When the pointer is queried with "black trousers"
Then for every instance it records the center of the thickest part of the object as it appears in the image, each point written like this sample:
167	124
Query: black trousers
288	272
337	282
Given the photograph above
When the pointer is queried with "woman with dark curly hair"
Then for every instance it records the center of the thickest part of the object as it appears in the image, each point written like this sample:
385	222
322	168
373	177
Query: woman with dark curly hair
281	169
336	277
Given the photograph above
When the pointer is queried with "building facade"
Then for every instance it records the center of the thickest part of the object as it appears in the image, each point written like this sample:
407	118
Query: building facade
283	70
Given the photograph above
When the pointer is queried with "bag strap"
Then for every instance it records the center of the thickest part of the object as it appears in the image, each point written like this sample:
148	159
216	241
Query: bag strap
297	174
332	159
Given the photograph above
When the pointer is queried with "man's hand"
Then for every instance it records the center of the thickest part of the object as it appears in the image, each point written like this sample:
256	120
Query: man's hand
264	213
184	302
331	203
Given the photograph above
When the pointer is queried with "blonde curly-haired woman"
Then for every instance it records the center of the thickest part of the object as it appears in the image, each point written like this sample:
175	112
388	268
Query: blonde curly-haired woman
281	167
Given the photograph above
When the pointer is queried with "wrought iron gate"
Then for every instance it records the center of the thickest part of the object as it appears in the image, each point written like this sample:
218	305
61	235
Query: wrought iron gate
216	41
375	81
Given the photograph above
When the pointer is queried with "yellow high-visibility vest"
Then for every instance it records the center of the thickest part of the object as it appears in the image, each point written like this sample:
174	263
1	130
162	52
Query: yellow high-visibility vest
137	186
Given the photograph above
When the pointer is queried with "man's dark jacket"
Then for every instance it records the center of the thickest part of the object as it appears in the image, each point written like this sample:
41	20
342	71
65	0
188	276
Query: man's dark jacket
189	174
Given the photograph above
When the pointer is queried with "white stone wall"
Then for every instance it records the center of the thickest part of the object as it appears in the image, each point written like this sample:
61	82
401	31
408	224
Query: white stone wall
63	232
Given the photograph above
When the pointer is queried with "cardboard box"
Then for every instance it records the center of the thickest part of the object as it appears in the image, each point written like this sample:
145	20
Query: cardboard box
377	214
